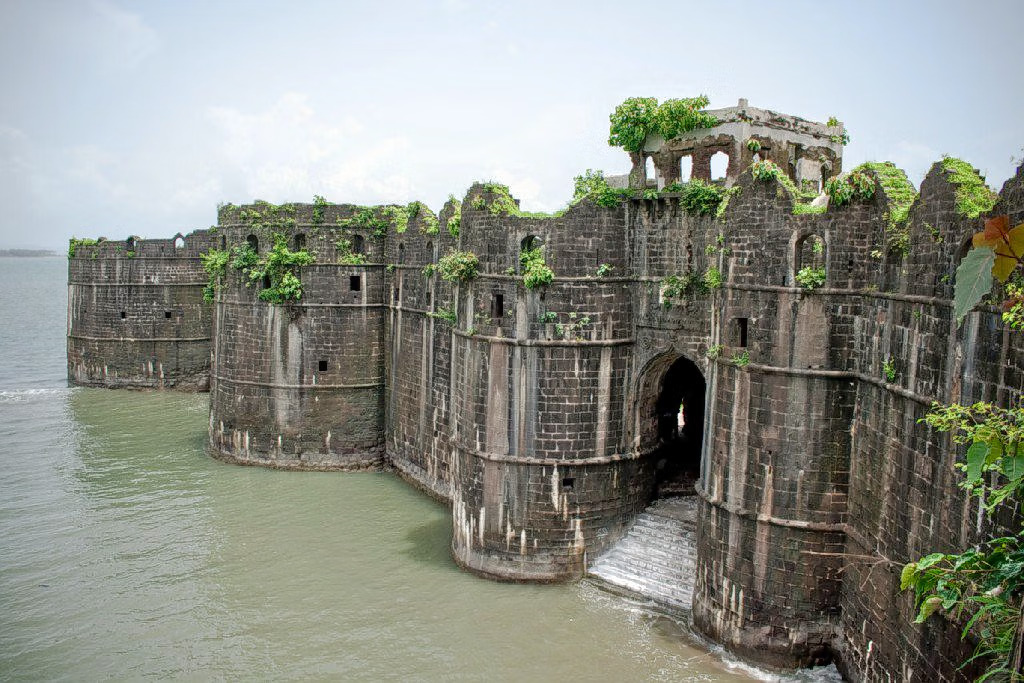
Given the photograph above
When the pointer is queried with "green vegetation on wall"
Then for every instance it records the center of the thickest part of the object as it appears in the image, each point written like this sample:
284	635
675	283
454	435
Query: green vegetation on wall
459	266
638	117
454	223
76	242
536	272
278	268
973	196
346	255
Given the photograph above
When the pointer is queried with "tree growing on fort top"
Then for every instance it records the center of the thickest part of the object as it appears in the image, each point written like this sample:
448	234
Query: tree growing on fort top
638	117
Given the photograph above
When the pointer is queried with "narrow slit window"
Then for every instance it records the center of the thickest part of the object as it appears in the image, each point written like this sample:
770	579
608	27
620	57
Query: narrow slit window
498	306
355	283
741	332
322	366
123	315
429	297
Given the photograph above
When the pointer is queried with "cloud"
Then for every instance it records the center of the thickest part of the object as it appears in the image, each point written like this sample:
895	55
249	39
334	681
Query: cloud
290	152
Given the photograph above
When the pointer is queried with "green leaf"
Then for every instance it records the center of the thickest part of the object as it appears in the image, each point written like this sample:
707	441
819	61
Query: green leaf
973	280
1013	467
976	456
928	608
908	575
929	560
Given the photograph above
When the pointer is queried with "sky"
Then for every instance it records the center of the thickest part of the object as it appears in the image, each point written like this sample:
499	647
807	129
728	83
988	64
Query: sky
120	117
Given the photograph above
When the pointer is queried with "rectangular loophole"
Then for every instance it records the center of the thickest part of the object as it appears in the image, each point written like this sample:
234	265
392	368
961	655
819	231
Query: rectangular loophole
123	315
429	297
167	314
355	283
498	306
741	332
568	483
322	366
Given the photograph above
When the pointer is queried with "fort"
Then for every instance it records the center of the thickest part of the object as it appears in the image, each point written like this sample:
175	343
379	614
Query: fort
550	377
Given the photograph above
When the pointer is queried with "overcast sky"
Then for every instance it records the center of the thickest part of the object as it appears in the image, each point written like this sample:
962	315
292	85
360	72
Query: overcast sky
120	117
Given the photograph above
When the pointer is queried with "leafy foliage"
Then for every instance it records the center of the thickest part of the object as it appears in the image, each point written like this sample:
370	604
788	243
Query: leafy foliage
712	278
429	225
843	189
900	195
454	223
985	582
590	183
765	170
604	270
889	369
810	277
215	263
998	252
366	219
573	328
459	266
446	314
638	117
280	265
700	198
76	242
346	255
681	287
536	272
318	209
753	145
973	280
741	360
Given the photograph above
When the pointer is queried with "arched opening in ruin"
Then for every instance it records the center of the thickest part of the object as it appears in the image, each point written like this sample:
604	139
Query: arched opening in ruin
811	256
651	173
179	242
254	243
300	242
685	168
358	244
719	165
670	418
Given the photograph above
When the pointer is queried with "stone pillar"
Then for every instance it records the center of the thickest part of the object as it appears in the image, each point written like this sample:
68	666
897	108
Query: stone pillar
701	165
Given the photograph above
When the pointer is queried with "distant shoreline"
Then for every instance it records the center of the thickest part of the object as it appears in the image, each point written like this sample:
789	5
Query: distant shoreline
28	253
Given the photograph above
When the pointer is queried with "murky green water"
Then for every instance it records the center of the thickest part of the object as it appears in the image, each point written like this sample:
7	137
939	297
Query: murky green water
127	553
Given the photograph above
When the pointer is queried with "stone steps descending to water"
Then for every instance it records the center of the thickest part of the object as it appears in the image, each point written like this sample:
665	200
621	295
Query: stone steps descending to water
657	558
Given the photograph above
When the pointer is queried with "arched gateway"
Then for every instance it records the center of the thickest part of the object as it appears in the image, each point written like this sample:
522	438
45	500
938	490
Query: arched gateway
668	409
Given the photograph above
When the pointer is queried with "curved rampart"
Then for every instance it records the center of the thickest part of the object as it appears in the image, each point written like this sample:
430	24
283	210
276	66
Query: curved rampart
301	384
543	477
136	315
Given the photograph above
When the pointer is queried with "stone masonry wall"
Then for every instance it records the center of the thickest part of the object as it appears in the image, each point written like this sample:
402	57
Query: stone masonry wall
136	315
533	413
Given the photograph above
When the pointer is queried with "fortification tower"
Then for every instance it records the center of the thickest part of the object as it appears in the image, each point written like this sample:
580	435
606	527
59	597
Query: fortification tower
136	315
300	383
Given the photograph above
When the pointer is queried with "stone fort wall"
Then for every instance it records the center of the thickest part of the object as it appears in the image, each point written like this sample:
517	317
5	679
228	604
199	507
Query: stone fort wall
136	316
817	480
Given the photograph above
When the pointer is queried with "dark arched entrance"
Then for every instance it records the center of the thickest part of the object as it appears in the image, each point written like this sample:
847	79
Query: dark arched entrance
680	419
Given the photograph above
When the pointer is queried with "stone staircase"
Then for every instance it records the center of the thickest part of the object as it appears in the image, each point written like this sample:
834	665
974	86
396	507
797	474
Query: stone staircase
656	559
